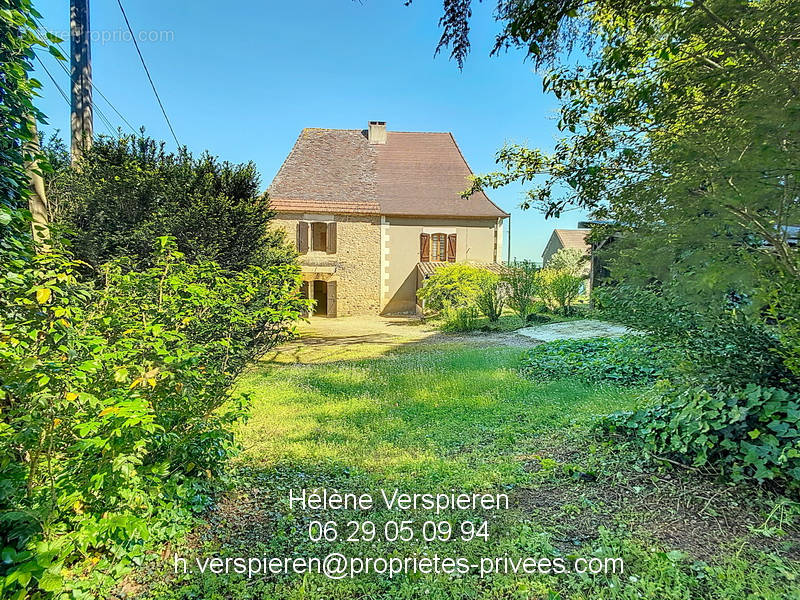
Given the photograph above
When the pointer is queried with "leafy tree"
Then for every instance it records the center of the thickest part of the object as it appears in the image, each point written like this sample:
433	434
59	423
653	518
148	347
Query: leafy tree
522	287
571	260
491	297
125	192
681	127
682	131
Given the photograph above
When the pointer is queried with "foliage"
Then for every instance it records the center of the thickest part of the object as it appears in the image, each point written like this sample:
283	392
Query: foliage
571	260
783	309
126	192
628	360
753	433
558	288
450	287
491	297
17	38
115	414
521	284
115	403
460	319
680	130
723	346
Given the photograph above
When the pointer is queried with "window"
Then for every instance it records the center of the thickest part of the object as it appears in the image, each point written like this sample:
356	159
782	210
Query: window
439	247
319	237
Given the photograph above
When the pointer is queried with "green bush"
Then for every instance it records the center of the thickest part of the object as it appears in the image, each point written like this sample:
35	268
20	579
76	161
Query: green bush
725	346
572	260
628	360
753	433
461	319
125	192
491	297
450	287
521	286
559	288
116	412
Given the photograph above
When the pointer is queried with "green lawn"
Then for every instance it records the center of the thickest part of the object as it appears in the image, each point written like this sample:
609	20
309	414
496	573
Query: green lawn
447	417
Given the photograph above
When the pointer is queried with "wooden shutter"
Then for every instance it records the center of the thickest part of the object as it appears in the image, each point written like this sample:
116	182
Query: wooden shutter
304	288
451	247
331	238
424	247
302	237
332	305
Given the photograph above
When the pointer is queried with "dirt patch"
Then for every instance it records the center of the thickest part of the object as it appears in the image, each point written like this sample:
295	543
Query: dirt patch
486	339
680	511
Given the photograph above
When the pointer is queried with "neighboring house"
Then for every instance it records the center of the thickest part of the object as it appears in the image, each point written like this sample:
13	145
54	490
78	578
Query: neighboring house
565	238
372	212
571	238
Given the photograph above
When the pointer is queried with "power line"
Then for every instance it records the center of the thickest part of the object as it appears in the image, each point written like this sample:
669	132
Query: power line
94	87
106	122
147	71
53	79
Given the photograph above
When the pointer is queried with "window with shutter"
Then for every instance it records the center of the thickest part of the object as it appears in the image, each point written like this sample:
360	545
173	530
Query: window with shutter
302	237
424	247
438	247
451	247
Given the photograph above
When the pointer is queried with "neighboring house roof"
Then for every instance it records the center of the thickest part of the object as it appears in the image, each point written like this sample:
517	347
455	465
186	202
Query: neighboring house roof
340	171
573	238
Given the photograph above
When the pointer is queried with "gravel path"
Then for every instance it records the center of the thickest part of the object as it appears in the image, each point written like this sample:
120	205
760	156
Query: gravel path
574	330
353	338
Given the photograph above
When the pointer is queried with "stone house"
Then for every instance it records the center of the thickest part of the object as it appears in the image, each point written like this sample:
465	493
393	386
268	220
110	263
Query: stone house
373	212
565	238
572	238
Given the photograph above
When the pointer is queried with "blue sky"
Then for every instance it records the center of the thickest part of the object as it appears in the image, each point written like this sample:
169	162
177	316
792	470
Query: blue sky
243	78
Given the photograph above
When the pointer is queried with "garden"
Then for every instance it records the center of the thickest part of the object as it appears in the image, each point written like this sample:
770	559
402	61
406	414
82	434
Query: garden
465	297
145	300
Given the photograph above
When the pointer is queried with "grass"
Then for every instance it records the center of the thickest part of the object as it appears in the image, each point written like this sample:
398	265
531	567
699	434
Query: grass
443	417
379	416
510	321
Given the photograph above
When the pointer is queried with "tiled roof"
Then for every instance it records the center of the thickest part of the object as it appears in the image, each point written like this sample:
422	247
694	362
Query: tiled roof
573	238
321	206
338	170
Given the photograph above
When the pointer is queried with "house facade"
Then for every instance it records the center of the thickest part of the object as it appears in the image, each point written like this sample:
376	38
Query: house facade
373	212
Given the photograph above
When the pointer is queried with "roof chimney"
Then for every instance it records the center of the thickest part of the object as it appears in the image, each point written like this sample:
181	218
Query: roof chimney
377	132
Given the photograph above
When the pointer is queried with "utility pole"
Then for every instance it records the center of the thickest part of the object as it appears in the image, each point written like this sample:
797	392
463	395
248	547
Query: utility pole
81	120
508	262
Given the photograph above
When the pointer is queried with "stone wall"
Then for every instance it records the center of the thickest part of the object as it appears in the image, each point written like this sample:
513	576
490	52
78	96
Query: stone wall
356	265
